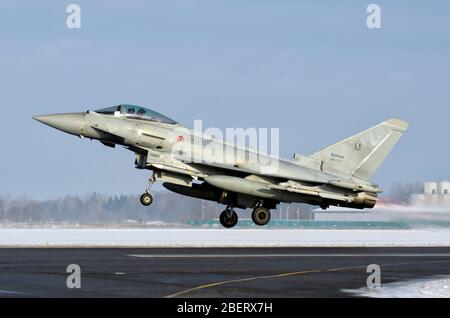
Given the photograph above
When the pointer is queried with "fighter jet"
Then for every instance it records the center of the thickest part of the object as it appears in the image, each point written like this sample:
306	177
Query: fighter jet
186	162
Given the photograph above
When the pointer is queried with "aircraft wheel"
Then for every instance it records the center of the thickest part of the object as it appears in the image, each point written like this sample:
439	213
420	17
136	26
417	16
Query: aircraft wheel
146	199
261	216
228	218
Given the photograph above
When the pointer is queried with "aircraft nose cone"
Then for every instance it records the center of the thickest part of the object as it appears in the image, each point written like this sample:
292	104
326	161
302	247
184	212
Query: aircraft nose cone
70	123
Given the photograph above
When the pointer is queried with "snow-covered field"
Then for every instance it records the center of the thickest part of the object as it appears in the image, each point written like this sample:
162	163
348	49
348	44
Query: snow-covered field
219	237
438	287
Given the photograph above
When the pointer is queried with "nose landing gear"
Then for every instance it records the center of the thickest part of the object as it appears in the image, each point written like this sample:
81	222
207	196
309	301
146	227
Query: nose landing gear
228	218
146	198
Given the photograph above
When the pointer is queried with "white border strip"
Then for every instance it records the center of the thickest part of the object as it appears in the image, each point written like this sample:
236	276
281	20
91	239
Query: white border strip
220	238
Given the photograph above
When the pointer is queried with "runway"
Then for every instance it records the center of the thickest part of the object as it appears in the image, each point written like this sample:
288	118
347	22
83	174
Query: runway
212	272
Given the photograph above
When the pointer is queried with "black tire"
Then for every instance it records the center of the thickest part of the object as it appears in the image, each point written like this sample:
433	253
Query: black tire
228	219
261	216
146	199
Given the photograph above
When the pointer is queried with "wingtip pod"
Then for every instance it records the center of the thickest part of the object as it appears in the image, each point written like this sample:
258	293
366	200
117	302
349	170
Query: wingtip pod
398	124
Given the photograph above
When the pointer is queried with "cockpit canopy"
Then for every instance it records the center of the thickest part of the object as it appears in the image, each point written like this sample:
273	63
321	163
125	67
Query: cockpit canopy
136	112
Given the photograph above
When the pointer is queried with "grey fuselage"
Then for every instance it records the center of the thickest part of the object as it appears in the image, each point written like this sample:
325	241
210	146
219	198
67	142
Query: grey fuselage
180	155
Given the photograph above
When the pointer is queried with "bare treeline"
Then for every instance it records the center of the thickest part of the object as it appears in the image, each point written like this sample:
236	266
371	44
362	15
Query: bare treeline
100	209
96	208
167	207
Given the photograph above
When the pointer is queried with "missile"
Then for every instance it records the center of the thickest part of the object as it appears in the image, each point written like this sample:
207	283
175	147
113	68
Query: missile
290	194
241	185
254	188
355	187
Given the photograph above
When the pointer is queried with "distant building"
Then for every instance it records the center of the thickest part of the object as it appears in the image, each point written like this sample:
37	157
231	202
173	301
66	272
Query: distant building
436	194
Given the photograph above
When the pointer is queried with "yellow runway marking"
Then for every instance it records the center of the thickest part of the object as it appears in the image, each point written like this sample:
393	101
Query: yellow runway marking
187	291
183	292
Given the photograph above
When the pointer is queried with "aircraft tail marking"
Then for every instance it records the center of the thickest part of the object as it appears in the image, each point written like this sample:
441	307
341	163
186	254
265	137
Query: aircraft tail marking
362	154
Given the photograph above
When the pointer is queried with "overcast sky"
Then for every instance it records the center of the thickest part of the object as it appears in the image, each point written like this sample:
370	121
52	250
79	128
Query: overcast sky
314	70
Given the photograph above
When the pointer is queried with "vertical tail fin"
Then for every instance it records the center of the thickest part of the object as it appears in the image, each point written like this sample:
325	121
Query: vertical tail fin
362	154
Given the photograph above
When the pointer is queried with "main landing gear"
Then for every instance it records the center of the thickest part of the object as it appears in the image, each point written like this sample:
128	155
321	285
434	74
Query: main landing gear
261	215
228	218
146	198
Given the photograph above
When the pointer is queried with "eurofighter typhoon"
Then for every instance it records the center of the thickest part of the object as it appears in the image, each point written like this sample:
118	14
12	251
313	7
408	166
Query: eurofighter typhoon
187	162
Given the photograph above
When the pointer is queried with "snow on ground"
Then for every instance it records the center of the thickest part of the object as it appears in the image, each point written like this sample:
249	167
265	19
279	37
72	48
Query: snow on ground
438	287
219	237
